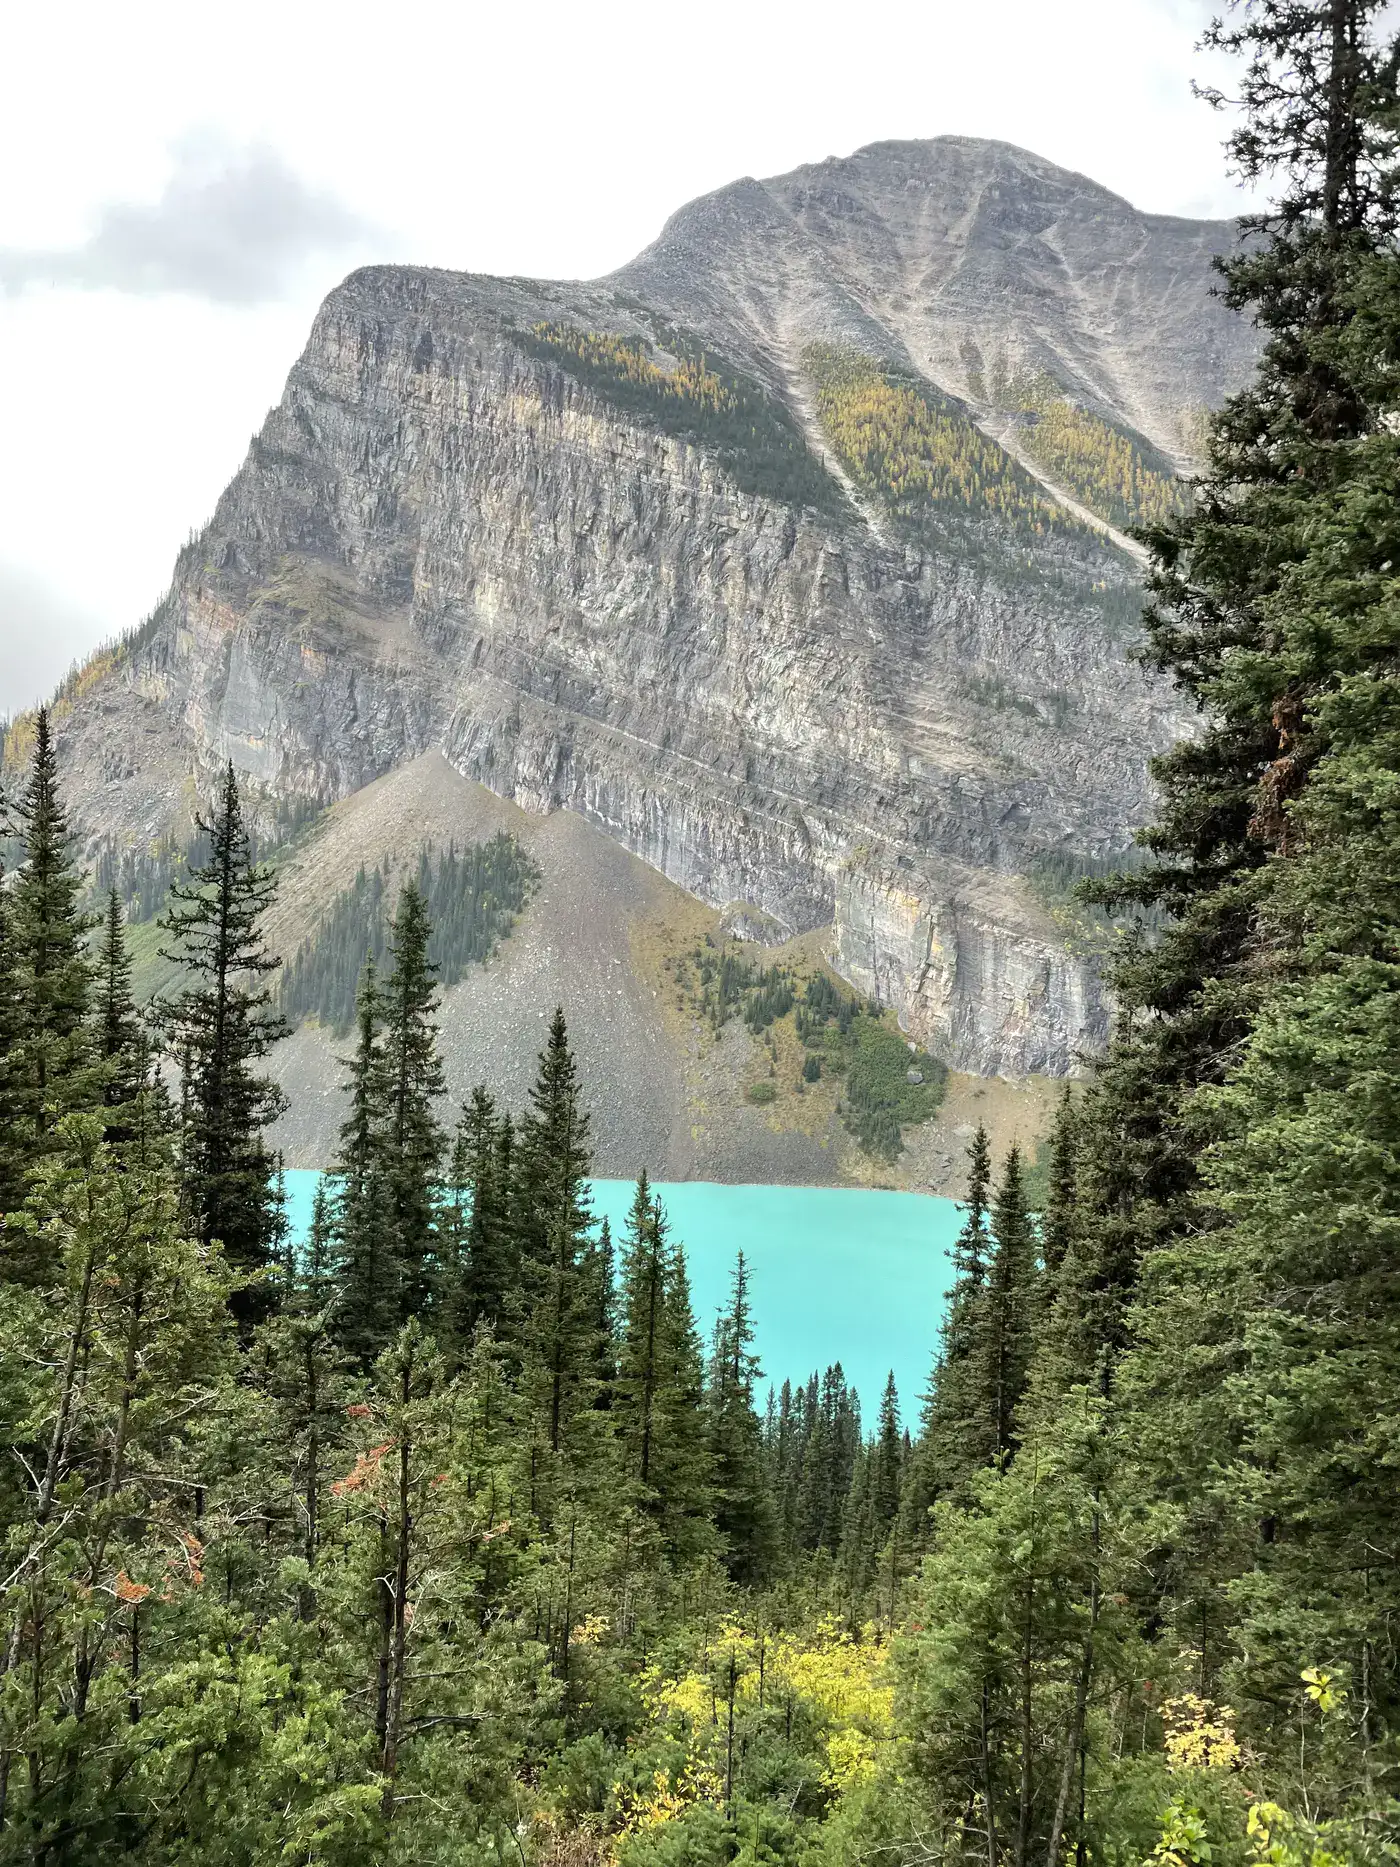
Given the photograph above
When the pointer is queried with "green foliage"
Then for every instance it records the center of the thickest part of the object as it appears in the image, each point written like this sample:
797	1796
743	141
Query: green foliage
473	898
880	1099
218	1027
681	391
918	451
53	1071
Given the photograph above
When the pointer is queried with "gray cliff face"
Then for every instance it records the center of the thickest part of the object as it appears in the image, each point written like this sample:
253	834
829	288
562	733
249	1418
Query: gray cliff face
439	540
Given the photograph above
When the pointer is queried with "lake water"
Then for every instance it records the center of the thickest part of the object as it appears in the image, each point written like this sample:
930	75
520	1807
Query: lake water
839	1273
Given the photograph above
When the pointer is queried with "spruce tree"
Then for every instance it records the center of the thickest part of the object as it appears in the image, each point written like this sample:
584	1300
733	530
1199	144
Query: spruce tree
886	1461
744	1514
411	1142
487	1272
54	968
14	1104
1057	1220
681	1465
367	1314
952	1441
560	1328
120	1045
1006	1323
220	1026
641	1339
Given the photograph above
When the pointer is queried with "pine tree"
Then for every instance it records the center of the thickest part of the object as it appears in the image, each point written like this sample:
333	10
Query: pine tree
368	1310
743	1508
132	1342
14	1104
54	969
1057	1221
220	1026
488	1268
553	1220
411	1143
681	1464
1006	1322
641	1339
953	1438
886	1461
120	1043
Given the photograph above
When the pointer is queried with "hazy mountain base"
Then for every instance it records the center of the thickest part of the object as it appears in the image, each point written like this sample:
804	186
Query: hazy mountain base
598	937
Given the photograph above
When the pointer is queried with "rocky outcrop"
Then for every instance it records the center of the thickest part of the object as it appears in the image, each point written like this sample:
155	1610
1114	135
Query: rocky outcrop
442	539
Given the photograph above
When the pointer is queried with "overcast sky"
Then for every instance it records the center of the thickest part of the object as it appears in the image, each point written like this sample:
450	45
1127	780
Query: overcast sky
182	184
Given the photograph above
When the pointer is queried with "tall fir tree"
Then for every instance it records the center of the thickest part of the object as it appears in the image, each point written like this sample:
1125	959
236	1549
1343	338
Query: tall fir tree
368	1311
55	971
410	1141
119	1039
886	1464
14	1103
560	1328
1007	1314
220	1026
744	1515
953	1442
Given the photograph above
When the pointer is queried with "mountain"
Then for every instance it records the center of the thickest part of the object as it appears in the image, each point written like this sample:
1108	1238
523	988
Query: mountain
789	558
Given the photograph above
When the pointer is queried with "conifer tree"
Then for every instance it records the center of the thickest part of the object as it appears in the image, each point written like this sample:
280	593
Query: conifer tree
368	1310
561	1323
119	1040
952	1441
410	1142
886	1460
641	1338
220	1026
743	1508
1006	1317
301	1372
131	1338
681	1464
14	1105
54	968
1057	1221
488	1270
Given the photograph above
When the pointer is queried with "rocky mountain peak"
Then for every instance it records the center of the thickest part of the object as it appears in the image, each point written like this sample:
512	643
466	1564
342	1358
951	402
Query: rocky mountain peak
787	556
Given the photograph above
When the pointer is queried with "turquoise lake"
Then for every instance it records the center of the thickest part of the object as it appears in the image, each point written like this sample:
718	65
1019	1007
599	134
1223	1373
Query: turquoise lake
839	1273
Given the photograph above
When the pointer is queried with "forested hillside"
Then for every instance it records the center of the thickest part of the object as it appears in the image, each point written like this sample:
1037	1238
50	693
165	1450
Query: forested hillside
442	1536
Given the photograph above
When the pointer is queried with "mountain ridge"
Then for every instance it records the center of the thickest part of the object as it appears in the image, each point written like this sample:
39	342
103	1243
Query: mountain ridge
509	521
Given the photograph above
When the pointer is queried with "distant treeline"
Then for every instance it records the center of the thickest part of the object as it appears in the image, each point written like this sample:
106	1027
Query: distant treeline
473	896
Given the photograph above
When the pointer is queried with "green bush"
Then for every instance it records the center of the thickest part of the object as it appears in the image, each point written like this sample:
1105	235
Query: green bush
762	1092
880	1099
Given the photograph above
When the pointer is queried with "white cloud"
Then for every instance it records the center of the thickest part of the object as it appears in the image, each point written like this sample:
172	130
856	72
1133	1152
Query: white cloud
235	226
553	141
41	635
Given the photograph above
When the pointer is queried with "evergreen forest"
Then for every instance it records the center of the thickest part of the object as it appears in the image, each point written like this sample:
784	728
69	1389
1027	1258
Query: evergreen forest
446	1535
473	897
